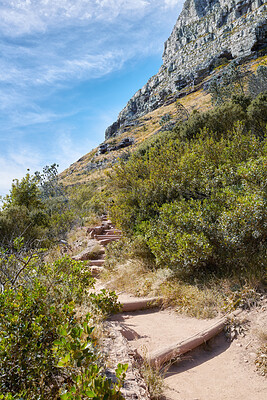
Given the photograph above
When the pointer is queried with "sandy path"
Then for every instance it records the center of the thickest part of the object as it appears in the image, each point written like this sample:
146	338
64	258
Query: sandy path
220	371
152	330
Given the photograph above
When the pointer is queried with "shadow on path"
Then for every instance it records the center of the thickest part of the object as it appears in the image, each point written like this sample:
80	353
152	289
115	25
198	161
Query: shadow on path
121	317
211	349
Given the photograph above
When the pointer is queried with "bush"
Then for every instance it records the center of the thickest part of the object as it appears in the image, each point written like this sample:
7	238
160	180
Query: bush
199	202
257	114
44	345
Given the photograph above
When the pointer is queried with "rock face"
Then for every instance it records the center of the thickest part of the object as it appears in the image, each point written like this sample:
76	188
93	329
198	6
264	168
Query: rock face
206	31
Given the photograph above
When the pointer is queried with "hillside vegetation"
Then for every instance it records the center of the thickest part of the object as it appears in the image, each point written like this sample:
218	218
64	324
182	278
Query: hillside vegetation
190	198
197	195
191	202
50	316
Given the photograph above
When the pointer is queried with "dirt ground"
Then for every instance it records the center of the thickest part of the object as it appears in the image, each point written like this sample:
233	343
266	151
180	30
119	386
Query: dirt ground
221	370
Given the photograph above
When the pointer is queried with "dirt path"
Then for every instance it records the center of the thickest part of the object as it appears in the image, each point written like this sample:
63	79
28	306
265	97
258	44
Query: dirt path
220	370
217	372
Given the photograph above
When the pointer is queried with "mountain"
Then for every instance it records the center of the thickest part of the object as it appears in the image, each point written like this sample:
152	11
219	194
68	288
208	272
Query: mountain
206	32
206	36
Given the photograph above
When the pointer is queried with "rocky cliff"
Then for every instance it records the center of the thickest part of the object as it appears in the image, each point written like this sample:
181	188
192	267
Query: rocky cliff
205	32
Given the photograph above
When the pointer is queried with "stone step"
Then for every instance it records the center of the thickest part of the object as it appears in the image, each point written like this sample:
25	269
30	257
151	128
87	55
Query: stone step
112	232
104	242
101	237
96	271
97	263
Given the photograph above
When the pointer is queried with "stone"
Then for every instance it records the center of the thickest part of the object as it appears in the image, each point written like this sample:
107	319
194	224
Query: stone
117	350
205	32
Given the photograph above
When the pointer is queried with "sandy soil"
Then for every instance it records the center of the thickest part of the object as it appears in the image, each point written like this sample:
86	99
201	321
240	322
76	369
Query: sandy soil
221	370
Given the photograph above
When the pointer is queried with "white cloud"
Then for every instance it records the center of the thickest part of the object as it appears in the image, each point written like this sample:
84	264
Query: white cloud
14	164
23	17
20	17
47	45
172	3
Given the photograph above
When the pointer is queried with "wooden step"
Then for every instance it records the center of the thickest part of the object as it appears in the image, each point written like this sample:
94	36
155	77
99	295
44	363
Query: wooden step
101	237
97	263
141	304
104	242
113	232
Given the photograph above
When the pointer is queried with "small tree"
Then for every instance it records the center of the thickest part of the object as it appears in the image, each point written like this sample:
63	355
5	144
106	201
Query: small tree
181	112
231	81
24	193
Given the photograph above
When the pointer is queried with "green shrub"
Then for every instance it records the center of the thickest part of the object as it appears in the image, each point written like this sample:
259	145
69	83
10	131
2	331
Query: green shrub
76	352
257	114
198	203
35	314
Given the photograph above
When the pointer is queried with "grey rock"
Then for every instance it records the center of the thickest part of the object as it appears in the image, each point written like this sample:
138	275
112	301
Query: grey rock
206	31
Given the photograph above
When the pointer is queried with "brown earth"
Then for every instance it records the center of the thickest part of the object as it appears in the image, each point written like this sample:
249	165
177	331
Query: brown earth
221	370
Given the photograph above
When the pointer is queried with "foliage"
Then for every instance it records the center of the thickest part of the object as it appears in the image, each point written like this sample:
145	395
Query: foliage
16	264
77	353
165	118
230	81
28	329
48	181
24	193
245	297
37	209
36	310
217	121
154	380
197	196
257	114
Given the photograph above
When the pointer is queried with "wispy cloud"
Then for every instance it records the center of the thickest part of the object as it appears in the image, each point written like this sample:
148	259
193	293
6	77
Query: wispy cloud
14	164
48	46
27	16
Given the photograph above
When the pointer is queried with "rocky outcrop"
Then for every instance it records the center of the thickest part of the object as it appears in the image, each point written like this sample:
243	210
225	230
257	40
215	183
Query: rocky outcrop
205	32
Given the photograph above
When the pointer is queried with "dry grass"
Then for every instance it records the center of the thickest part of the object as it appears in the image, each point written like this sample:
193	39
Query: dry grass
262	335
191	300
261	360
154	379
135	278
149	125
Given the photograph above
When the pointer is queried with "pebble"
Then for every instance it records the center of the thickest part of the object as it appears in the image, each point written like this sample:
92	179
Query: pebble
117	349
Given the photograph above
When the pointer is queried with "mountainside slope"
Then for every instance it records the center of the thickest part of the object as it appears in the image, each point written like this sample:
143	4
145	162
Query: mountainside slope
92	165
205	33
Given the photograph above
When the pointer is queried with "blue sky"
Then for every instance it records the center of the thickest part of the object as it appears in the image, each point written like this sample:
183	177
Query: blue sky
67	68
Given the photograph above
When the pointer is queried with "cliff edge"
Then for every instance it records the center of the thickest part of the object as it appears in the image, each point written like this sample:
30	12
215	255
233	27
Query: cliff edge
205	32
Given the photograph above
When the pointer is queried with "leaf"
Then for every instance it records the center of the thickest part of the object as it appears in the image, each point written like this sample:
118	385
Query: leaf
90	393
58	343
64	360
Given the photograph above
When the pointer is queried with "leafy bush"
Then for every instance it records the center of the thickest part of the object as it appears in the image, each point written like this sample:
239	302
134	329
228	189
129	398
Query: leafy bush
257	114
39	322
78	355
197	197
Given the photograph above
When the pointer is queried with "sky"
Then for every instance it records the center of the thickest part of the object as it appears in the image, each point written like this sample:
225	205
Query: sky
67	68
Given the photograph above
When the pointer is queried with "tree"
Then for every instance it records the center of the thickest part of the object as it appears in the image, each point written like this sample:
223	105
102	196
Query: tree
230	81
24	193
